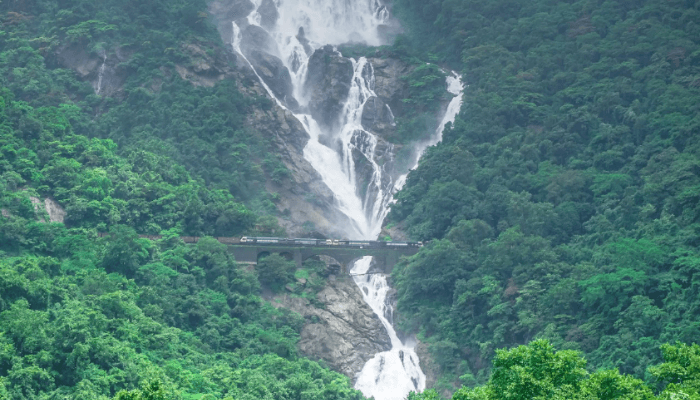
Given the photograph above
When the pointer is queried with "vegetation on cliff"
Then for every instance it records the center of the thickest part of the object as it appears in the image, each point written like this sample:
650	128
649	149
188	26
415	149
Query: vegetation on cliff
84	317
563	202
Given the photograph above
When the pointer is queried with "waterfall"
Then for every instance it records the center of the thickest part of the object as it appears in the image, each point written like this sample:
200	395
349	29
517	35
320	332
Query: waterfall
101	73
392	374
297	27
455	87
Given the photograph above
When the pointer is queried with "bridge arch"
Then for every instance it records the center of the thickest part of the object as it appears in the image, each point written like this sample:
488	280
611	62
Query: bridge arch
262	254
385	258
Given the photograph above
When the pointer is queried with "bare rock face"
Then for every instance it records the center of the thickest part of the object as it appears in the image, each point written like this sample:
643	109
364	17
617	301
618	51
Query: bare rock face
304	198
55	212
327	85
377	117
104	72
389	86
225	11
345	333
430	368
203	69
256	38
276	76
268	14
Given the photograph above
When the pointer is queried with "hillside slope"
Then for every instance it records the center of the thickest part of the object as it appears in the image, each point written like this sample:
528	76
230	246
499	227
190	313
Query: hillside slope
563	202
146	133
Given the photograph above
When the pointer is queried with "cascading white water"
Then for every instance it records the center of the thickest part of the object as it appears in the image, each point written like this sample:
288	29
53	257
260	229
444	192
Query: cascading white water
390	375
101	73
333	21
455	87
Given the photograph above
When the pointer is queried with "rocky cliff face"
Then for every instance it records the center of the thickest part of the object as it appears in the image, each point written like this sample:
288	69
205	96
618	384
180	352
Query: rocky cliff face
304	198
103	71
345	333
327	85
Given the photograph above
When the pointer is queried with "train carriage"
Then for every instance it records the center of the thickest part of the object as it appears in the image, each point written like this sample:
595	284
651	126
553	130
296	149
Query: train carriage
307	241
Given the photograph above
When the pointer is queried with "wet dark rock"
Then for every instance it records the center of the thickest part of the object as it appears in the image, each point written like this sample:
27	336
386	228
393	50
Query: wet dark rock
345	333
304	198
256	38
275	74
225	11
268	14
301	37
105	71
230	10
378	118
389	86
327	85
333	267
364	171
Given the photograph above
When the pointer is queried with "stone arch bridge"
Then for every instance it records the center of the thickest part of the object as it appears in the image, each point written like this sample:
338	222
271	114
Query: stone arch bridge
384	258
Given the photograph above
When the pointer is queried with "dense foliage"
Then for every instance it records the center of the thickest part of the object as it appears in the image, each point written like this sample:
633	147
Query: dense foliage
537	371
84	317
563	202
74	324
156	121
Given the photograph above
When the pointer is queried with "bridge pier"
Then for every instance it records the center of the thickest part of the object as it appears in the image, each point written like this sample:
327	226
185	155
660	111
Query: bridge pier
298	260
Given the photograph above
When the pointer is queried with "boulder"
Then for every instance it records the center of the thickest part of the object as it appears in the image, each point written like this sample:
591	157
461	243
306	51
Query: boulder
275	74
378	118
328	81
268	14
389	86
345	333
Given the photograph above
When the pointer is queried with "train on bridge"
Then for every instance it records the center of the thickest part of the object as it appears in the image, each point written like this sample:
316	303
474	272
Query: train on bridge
327	242
277	241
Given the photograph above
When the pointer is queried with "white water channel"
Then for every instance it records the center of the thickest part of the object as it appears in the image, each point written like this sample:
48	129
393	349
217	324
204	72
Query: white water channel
390	375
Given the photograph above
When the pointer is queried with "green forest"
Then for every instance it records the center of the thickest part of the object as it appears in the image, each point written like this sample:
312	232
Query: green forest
84	317
563	203
561	212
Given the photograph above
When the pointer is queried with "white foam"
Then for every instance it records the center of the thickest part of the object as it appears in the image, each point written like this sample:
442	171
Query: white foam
393	374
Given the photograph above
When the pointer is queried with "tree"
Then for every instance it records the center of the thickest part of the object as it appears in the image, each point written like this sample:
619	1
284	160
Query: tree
153	390
680	371
275	270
